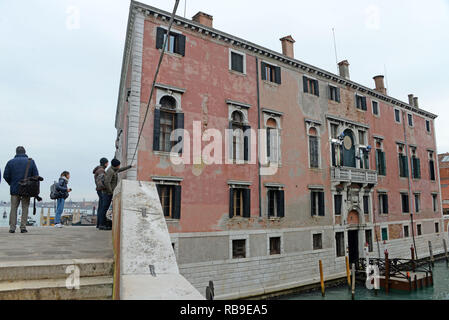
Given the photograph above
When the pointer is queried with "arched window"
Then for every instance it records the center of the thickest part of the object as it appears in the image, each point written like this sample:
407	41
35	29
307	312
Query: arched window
168	102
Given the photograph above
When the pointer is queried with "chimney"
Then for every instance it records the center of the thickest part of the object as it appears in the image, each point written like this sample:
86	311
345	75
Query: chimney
204	19
288	46
416	102
344	69
380	85
411	100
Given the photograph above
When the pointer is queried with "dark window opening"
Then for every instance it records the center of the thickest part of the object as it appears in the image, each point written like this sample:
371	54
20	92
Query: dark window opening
317	203
369	240
334	94
275	246
403	166
237	62
240	203
314	152
375	108
366	204
170	197
176	42
384	234
361	102
410	120
276	203
405	203
311	86
428	126
432	170
381	163
397	115
317	241
416	167
435	202
406	232
238	249
419	229
340	243
271	73
383	203
338	201
417	203
437	227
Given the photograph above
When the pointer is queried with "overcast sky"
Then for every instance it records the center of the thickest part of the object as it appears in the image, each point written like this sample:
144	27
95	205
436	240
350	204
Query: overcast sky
59	75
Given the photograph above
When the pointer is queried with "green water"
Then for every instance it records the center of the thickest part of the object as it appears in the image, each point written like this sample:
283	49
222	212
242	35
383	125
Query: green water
440	290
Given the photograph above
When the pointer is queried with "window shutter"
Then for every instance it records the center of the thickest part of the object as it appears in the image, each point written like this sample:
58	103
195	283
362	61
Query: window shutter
418	167
378	161
321	210
432	170
160	38
268	143
313	144
231	203
317	87
338	95
383	163
181	45
338	202
263	71
306	88
364	104
406	167
247	142
157	129
312	204
179	124
158	187
385	204
278	75
281	203
246	203
177	202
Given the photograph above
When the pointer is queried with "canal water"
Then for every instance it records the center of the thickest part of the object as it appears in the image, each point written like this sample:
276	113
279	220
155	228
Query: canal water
440	290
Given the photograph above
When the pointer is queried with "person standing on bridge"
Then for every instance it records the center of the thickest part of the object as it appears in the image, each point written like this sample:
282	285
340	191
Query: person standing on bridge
110	181
15	172
63	193
99	175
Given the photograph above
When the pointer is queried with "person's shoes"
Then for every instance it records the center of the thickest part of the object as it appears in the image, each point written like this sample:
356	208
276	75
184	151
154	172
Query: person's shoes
12	231
23	231
108	228
58	225
101	228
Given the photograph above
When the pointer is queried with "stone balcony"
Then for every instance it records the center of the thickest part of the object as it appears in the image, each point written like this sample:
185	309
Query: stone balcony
353	175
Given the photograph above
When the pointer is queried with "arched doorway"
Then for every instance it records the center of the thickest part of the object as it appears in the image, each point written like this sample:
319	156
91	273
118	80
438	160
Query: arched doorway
349	149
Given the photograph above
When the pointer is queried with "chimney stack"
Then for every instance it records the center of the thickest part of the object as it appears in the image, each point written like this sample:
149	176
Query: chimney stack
411	100
288	46
344	69
380	85
415	102
204	19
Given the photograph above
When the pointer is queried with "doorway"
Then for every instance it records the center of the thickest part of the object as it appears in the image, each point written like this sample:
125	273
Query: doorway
353	243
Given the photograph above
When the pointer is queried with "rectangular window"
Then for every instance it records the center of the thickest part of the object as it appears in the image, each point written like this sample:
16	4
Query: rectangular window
362	137
360	102
311	86
381	163
271	73
237	62
397	116
275	246
406	232
314	152
167	125
317	241
416	167
317	203
403	166
238	249
437	227
176	42
334	93
417	203
435	202
170	197
338	201
375	108
334	131
240	203
384	234
432	170
405	203
369	240
273	151
419	229
366	204
340	243
383	203
276	203
410	120
428	126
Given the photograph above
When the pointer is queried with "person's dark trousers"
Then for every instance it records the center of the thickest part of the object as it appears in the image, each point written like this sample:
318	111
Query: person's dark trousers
100	200
105	204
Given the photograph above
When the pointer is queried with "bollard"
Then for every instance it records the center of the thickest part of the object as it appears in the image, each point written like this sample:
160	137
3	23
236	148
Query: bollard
412	250
387	273
431	253
348	272
353	281
416	282
409	282
41	223
323	289
445	250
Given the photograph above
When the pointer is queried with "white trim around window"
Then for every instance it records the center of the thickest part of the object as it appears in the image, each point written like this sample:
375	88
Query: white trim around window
230	60
378	108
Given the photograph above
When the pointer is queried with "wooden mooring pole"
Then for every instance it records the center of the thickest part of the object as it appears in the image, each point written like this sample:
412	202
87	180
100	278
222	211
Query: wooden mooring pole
48	218
387	273
412	250
353	281
431	254
323	289
445	250
348	272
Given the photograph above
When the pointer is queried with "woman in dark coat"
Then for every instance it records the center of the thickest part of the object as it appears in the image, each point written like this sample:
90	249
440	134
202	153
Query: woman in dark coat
63	193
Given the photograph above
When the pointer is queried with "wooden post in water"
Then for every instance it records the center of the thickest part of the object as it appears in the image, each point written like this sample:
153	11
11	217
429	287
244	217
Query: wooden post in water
416	282
323	289
41	222
431	253
445	250
353	281
48	218
348	272
387	273
412	250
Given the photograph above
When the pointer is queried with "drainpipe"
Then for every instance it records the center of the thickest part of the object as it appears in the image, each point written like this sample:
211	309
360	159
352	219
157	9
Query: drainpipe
412	207
258	137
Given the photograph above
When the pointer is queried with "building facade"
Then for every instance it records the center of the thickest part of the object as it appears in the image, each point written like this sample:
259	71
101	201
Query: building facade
443	160
313	166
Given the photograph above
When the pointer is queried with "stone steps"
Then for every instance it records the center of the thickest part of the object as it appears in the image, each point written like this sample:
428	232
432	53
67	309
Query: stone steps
46	280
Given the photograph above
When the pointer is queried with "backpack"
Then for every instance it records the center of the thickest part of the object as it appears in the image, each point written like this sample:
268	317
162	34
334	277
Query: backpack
53	192
29	186
99	181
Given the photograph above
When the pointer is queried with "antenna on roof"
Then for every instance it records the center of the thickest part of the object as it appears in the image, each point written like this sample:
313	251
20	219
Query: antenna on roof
185	8
335	47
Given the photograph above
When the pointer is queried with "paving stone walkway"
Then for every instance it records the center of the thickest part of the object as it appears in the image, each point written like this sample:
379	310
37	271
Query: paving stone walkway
50	243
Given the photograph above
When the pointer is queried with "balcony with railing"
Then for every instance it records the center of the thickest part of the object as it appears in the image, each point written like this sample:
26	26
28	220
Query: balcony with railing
353	175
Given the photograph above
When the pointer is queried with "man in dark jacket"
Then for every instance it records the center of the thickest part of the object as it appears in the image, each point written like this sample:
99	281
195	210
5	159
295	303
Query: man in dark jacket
99	175
110	181
14	172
